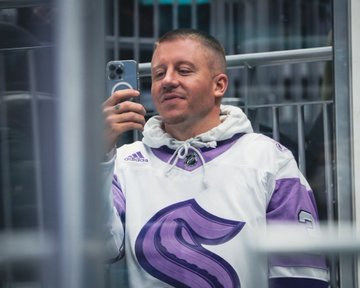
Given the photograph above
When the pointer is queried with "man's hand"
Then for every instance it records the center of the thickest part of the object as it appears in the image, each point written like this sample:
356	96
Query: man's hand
122	115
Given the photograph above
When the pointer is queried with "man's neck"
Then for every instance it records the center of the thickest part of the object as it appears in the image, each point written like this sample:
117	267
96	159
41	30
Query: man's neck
183	132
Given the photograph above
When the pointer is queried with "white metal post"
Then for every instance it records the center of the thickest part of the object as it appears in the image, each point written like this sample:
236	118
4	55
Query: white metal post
80	88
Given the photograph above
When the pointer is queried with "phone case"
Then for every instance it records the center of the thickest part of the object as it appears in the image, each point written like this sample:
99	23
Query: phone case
122	74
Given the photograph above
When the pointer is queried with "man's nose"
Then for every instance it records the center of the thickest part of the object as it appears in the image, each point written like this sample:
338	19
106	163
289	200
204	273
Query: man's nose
170	80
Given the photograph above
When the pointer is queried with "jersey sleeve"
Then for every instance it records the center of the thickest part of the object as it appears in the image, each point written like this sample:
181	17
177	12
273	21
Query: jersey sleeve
113	213
292	202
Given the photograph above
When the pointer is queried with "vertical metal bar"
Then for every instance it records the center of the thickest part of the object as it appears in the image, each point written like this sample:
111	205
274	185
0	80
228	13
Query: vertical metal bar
229	44
342	98
230	28
219	22
249	27
175	14
275	117
355	109
116	29
316	22
36	138
330	201
328	165
136	31
262	23
280	28
156	19
5	163
297	20
193	14
240	23
80	87
71	143
247	87
255	119
301	138
135	133
213	9
295	69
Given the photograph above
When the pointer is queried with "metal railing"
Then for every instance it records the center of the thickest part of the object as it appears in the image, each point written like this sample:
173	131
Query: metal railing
332	241
22	3
252	60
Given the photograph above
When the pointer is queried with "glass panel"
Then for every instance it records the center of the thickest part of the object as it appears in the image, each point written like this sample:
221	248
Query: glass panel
282	25
27	138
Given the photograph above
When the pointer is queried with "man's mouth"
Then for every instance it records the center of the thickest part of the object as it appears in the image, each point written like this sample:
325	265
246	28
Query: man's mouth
171	96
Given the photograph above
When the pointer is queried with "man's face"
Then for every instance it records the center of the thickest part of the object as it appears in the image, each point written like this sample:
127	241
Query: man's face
183	85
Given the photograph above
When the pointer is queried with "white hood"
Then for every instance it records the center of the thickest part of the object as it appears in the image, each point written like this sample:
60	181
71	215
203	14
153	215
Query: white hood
233	121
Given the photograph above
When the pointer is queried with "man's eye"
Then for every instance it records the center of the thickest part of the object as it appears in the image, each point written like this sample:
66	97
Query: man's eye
184	71
157	75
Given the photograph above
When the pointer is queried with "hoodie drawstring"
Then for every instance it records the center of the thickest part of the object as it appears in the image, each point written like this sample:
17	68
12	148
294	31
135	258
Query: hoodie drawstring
183	150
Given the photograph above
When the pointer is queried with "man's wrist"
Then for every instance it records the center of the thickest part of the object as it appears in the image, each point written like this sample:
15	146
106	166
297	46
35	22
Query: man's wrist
110	155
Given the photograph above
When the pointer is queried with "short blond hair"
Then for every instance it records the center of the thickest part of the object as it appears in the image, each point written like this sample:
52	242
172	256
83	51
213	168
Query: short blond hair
205	39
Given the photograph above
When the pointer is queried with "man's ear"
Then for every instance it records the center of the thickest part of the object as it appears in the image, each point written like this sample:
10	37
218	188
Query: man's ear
220	84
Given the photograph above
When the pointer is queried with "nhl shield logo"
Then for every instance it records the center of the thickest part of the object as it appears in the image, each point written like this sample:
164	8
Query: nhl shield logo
190	159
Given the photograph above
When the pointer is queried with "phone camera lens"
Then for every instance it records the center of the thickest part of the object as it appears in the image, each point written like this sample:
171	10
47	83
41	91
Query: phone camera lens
112	75
112	67
119	70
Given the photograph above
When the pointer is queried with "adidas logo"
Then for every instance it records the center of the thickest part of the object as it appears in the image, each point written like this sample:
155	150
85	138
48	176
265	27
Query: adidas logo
136	157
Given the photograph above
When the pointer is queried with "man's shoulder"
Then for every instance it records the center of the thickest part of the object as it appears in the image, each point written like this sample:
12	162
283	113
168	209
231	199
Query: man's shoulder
262	151
258	140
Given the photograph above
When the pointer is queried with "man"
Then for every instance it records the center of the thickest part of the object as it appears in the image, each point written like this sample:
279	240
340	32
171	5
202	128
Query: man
200	181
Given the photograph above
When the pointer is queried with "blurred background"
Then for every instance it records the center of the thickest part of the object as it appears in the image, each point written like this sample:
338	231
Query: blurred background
289	69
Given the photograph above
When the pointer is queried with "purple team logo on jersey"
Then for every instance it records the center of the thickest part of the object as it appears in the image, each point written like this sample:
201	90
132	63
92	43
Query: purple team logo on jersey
169	247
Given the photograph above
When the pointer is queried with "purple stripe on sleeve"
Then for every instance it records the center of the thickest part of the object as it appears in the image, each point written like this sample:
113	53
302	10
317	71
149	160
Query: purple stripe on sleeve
298	260
296	283
119	198
291	202
289	199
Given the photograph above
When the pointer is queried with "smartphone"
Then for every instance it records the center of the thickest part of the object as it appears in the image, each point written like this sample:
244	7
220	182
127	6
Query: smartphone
122	74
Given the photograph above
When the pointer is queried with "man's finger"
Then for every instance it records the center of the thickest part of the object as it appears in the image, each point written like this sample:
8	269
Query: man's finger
119	96
126	106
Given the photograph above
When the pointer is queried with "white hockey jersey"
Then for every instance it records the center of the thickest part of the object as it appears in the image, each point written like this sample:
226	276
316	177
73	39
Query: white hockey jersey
186	207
